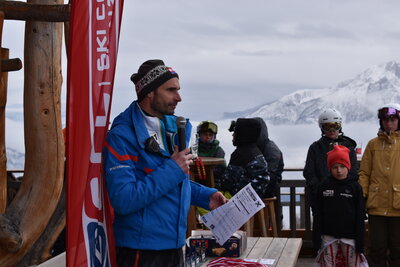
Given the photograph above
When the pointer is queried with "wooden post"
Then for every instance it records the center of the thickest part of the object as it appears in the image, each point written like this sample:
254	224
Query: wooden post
40	191
3	157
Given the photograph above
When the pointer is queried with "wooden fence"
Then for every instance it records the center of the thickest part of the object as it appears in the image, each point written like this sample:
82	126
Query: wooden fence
291	193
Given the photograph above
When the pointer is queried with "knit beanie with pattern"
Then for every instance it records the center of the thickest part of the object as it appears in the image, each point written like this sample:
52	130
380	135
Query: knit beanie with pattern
151	75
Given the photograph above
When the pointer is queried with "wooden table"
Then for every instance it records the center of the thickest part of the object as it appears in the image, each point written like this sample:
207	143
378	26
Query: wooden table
209	165
283	251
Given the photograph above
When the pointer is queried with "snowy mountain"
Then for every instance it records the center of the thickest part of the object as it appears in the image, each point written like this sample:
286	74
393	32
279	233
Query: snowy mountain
357	99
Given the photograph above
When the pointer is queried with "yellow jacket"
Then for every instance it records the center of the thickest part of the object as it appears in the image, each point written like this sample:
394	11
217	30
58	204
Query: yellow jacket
380	174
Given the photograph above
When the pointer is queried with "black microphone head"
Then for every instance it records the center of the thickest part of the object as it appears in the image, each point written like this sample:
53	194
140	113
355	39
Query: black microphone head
181	122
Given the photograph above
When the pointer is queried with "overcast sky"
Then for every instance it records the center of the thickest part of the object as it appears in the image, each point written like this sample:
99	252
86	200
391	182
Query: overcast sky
234	55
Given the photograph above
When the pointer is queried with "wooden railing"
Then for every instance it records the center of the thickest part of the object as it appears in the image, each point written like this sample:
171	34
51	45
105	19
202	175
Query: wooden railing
299	224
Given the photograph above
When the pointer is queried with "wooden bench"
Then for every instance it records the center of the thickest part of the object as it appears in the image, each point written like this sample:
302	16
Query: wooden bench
277	251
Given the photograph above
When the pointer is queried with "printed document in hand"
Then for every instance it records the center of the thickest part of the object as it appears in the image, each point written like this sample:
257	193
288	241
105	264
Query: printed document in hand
228	218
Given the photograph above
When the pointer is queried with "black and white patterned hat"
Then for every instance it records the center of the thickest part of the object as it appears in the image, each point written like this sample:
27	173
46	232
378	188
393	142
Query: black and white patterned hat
150	76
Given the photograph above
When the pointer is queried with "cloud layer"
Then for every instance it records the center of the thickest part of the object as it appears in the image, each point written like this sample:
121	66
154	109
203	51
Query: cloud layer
234	55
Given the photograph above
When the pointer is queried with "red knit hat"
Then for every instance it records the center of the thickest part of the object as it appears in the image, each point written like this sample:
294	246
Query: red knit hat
339	154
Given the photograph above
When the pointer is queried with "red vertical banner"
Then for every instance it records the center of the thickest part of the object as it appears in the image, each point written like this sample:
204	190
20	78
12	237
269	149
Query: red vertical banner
92	55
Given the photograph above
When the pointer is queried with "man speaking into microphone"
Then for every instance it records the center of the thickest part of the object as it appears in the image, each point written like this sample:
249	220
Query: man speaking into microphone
146	166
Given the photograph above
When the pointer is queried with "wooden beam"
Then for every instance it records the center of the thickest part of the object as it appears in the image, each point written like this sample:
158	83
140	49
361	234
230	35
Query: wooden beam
41	187
12	64
15	10
1	26
42	249
3	155
3	101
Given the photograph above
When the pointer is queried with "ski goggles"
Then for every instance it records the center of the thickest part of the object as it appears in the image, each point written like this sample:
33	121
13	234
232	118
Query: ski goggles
385	113
205	126
232	126
326	127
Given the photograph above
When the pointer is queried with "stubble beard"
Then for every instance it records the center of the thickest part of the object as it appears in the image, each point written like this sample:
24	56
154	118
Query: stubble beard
162	108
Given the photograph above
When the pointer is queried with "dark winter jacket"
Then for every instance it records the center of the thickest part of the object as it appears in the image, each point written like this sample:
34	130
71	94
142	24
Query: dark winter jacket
212	150
247	164
255	172
316	168
272	155
340	211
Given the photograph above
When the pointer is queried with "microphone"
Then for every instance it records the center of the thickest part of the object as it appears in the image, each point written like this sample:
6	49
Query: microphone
181	124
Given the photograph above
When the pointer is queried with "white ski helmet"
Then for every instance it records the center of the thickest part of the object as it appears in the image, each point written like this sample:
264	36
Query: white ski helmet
389	110
329	115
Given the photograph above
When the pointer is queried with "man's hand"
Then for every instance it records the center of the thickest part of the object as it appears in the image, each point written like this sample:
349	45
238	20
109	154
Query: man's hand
217	199
182	158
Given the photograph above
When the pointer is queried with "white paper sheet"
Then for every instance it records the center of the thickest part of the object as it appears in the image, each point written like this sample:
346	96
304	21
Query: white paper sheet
228	218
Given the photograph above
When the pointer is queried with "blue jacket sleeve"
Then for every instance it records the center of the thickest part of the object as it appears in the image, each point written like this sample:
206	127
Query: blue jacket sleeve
201	195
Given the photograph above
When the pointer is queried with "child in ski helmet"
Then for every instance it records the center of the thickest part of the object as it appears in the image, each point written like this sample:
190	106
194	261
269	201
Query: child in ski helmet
380	180
208	144
389	114
316	168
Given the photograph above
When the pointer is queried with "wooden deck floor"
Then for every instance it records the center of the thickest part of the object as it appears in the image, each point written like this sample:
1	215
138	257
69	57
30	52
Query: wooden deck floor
305	262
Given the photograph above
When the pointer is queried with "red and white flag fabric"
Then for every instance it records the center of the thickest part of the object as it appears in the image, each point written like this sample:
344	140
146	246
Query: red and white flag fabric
233	262
92	55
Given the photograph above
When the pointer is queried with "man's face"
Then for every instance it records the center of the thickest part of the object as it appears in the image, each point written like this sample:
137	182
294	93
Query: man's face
390	124
164	100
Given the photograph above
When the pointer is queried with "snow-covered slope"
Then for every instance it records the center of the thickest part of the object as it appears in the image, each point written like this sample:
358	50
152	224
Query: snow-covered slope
357	99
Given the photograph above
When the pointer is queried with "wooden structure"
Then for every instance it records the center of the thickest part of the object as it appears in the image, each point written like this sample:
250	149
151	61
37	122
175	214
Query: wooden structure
275	252
33	220
209	165
299	224
266	218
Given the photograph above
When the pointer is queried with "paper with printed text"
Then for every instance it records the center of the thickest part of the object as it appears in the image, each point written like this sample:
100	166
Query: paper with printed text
227	219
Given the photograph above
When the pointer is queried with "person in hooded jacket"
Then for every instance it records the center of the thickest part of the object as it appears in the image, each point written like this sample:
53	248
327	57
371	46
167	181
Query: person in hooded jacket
316	169
273	156
247	163
380	181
